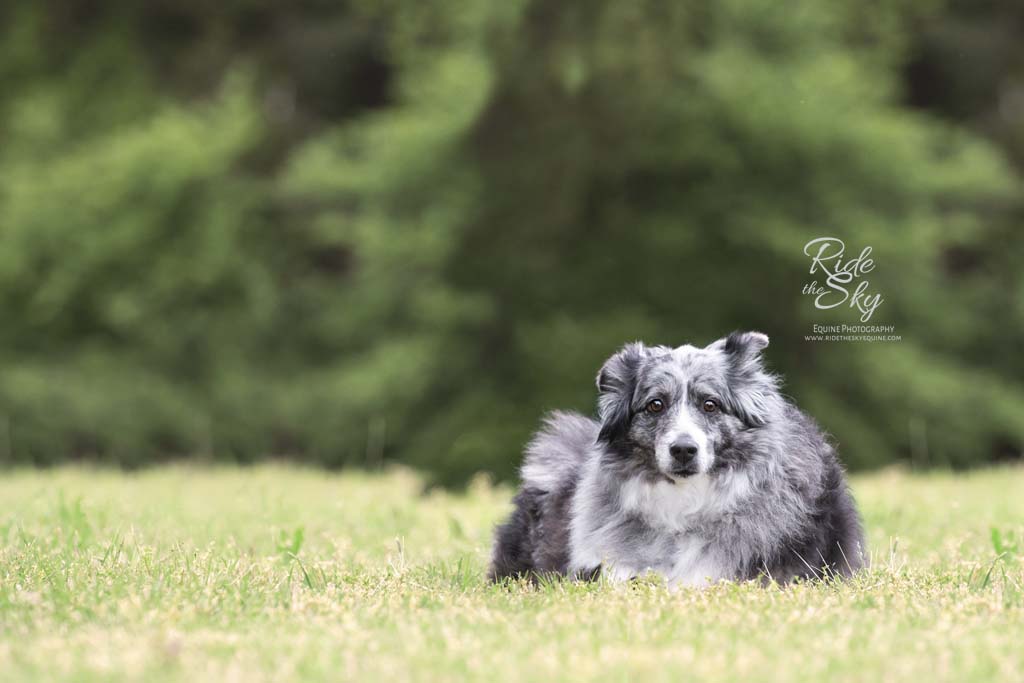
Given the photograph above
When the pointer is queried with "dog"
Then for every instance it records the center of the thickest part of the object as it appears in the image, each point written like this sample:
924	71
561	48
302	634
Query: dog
697	469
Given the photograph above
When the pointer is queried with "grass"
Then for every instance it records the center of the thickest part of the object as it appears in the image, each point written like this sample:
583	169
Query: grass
277	574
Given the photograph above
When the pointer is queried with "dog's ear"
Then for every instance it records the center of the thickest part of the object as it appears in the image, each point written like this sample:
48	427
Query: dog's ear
753	391
616	383
746	347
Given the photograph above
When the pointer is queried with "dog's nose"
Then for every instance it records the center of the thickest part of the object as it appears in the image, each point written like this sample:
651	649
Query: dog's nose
683	450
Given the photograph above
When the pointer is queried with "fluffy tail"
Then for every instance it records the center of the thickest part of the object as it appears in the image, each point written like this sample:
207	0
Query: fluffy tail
554	455
535	538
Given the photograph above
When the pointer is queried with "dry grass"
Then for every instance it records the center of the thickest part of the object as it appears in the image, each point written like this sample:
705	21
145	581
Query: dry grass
280	574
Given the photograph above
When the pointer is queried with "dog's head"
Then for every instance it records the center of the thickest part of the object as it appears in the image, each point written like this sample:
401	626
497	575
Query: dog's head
671	412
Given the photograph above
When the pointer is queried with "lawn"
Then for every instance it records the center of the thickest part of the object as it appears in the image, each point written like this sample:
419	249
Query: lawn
277	573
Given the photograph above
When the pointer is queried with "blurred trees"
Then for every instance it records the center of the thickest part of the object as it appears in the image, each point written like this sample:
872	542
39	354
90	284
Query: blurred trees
366	231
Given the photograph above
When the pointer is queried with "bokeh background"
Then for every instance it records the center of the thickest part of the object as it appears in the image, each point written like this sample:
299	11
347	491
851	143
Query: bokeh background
354	233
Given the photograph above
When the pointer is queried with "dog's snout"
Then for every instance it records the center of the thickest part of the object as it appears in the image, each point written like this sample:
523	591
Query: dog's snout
684	450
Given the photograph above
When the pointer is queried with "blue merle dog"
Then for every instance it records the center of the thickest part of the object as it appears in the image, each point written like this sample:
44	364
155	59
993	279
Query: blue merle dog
697	469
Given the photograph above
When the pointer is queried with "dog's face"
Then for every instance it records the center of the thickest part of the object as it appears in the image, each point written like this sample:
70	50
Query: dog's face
673	413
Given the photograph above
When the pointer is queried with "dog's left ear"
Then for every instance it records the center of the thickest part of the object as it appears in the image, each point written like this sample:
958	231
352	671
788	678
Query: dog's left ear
616	383
753	390
746	346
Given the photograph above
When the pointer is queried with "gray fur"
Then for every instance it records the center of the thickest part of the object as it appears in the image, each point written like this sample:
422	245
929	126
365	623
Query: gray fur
758	492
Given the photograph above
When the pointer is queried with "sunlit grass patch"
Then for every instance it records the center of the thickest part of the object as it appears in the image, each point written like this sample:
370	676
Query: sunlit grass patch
278	573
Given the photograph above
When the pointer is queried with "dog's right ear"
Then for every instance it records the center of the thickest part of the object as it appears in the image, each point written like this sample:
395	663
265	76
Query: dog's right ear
616	383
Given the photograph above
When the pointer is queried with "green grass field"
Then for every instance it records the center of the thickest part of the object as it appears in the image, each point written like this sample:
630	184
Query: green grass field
278	574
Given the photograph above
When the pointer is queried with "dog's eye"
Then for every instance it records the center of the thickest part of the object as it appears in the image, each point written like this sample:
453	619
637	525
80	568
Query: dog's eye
710	406
656	406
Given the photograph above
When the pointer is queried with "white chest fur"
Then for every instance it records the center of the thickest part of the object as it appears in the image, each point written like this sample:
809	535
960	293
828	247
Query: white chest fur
668	509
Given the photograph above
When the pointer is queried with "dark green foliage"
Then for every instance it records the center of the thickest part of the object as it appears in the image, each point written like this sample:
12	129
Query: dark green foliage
364	232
